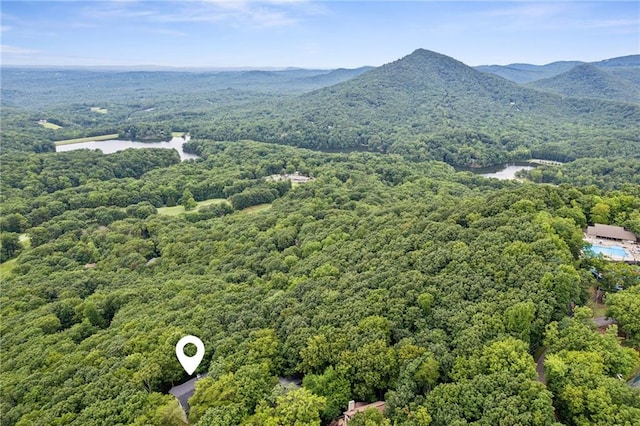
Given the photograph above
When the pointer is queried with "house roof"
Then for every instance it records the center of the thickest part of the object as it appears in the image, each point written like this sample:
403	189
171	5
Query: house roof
609	231
362	406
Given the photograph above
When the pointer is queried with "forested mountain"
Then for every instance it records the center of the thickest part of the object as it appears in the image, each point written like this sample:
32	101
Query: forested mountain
525	73
624	66
381	279
588	81
430	106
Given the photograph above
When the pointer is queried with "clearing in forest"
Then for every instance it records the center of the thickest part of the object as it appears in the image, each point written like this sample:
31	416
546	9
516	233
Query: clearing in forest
177	210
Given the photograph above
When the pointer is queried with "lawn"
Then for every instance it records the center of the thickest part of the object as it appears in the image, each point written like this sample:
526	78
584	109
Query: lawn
25	241
255	209
599	309
88	139
48	125
178	134
99	110
7	267
177	210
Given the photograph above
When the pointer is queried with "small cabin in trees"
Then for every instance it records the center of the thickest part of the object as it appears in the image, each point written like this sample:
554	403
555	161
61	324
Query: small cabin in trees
355	408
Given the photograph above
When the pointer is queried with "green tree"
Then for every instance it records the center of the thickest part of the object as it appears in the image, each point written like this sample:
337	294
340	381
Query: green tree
298	407
518	319
9	245
14	222
370	367
332	386
624	306
370	417
187	200
601	213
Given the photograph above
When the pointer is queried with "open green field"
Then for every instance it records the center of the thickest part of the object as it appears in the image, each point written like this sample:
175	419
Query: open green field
178	134
50	126
7	267
25	241
255	209
88	139
99	110
177	210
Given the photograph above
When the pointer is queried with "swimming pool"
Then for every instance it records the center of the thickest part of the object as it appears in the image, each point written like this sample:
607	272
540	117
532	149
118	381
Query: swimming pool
613	251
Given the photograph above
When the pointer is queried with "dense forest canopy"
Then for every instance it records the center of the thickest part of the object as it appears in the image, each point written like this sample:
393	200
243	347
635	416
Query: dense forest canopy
388	276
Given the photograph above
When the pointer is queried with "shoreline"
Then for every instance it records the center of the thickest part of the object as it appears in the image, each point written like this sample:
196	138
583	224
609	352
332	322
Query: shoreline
87	139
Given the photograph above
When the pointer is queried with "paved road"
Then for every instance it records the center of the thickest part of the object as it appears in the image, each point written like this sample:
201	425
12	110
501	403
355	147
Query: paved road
540	367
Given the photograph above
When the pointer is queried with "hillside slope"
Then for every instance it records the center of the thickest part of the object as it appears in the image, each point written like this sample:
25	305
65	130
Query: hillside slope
525	73
627	67
589	81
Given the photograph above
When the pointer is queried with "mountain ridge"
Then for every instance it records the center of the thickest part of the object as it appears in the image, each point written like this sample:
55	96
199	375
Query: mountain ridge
589	81
526	73
430	106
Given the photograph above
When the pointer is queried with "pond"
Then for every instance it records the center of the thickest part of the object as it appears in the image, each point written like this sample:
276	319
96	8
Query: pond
502	172
111	146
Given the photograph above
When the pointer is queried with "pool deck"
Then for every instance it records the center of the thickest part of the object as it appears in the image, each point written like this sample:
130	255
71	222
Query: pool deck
632	249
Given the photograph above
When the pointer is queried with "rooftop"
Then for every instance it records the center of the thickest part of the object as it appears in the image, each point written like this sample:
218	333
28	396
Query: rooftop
185	391
610	232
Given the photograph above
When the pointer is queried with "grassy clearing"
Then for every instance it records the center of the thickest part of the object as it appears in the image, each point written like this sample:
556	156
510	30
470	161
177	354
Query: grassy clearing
255	209
48	125
99	110
7	267
88	139
25	241
599	309
178	210
178	134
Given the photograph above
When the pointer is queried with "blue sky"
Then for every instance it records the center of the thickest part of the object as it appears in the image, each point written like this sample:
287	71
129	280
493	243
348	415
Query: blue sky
312	34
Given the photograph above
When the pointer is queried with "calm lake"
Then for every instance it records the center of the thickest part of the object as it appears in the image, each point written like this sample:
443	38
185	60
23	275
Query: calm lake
111	146
503	172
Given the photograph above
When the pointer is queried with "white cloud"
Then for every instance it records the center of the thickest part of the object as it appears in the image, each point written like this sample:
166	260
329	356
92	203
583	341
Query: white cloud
167	32
14	50
563	16
240	13
535	10
234	13
611	23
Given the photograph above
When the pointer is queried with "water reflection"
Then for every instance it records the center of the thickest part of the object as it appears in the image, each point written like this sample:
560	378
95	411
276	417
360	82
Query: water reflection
111	146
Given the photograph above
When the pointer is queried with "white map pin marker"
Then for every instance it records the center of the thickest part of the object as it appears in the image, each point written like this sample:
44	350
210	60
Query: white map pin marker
190	363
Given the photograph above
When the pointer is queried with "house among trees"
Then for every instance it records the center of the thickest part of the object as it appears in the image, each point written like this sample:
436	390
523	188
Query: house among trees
185	391
355	408
294	178
610	232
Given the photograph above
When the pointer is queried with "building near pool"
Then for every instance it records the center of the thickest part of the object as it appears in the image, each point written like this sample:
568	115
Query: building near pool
613	242
609	232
